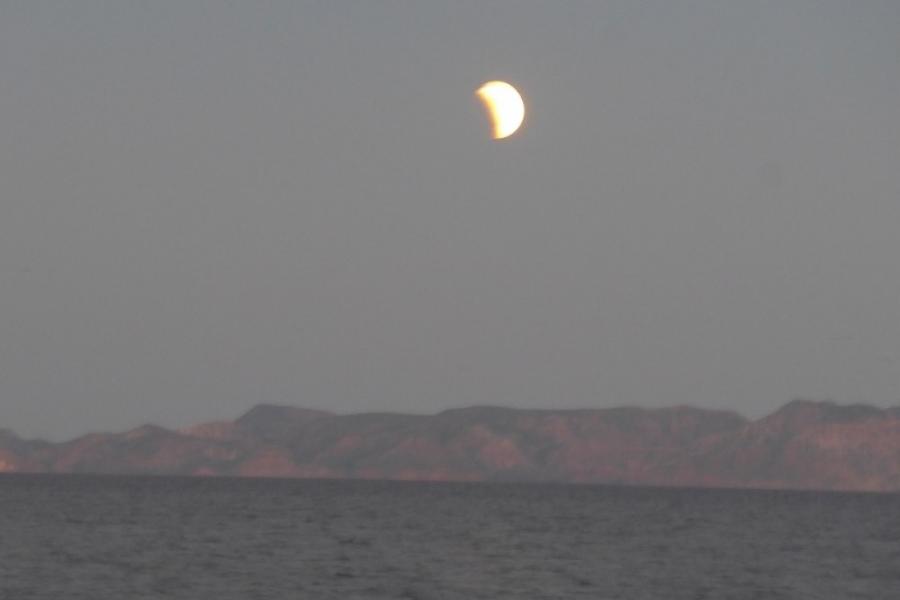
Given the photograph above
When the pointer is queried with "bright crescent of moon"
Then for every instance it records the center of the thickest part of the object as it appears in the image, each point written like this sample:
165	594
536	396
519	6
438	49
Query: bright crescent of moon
504	106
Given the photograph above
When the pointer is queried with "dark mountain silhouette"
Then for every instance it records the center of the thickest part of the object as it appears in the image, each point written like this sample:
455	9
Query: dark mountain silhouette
805	445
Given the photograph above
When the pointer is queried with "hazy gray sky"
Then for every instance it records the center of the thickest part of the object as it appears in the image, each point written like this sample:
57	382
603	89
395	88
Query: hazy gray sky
208	205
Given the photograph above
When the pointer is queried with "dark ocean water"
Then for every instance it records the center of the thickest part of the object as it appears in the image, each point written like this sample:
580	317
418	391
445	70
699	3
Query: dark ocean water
126	538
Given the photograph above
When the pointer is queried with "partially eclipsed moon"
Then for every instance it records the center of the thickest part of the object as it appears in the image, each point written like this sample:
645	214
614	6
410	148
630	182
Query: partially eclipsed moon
504	107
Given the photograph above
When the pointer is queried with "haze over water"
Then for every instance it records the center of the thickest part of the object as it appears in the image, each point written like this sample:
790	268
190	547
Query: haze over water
208	205
109	538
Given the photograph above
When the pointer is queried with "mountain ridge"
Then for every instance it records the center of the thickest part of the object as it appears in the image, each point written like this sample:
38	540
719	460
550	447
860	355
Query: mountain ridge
804	445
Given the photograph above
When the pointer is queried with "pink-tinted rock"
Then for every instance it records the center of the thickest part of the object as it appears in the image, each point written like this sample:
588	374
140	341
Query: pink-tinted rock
812	445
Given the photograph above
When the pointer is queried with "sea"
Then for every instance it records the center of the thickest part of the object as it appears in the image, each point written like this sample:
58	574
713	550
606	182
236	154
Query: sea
124	538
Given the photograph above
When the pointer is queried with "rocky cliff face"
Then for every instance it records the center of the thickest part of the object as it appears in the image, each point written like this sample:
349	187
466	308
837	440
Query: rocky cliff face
810	445
807	445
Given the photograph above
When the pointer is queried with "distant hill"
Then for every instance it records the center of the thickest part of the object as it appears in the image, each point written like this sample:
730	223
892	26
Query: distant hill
804	445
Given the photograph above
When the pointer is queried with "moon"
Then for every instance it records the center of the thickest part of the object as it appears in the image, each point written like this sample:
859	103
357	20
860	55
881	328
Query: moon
504	107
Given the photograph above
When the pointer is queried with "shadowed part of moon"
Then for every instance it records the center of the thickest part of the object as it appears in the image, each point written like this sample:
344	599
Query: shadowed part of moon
504	107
